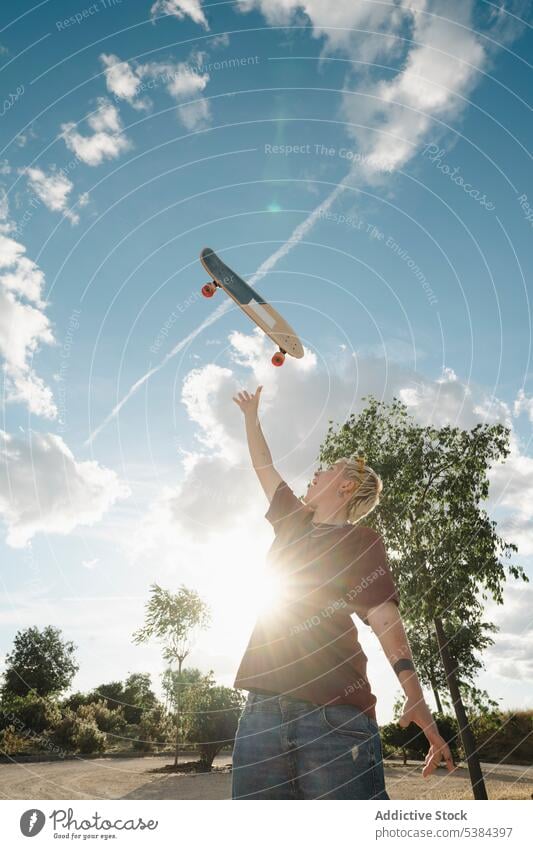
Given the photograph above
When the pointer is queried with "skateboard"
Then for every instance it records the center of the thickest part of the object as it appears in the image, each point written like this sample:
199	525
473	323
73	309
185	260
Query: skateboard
251	302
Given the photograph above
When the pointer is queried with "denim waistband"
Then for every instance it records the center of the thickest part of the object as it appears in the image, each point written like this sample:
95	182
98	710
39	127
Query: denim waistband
263	697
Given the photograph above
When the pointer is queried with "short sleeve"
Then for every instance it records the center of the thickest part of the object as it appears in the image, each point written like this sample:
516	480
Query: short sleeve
286	511
370	580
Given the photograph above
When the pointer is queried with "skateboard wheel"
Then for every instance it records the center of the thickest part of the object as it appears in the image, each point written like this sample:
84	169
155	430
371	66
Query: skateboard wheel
278	359
209	290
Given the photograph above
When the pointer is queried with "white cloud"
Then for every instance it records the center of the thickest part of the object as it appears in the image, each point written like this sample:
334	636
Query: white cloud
181	9
23	138
53	189
195	116
122	80
346	25
440	61
24	327
523	403
107	140
4	204
511	656
43	488
515	615
309	398
181	80
439	72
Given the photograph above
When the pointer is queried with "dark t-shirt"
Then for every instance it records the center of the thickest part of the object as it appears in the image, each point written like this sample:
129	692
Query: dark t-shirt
307	646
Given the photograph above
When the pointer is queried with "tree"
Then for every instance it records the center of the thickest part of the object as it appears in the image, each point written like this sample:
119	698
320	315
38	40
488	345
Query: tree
210	717
443	547
155	728
465	641
41	662
174	619
134	695
173	682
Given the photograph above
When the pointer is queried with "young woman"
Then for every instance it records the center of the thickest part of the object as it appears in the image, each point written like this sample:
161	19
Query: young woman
309	730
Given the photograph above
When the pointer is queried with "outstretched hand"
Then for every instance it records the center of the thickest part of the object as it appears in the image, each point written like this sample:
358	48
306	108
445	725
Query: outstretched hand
248	403
419	713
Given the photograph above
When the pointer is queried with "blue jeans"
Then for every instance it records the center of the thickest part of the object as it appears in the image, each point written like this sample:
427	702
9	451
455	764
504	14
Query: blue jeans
286	748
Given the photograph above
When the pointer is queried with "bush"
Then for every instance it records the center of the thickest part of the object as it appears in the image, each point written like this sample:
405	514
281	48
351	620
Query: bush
64	733
12	743
30	714
504	736
99	713
210	717
155	728
76	699
411	742
88	738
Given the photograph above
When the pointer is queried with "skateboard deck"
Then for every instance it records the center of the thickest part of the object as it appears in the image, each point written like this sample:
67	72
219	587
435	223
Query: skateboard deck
251	302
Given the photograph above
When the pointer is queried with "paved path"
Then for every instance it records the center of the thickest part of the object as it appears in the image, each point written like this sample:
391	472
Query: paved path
132	778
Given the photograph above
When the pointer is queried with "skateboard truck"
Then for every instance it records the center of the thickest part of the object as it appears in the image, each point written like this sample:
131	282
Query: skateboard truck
209	289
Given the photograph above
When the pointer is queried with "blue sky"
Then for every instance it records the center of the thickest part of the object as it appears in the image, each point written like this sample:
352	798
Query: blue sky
134	135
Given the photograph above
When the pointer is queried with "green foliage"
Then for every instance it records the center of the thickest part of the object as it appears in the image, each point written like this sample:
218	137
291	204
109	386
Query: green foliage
105	719
412	743
29	713
64	734
175	682
442	543
88	738
40	661
505	736
155	729
12	742
134	696
74	733
465	641
210	717
172	619
76	699
443	548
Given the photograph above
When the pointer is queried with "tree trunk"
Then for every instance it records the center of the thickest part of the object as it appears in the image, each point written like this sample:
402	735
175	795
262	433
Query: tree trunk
437	698
467	737
178	693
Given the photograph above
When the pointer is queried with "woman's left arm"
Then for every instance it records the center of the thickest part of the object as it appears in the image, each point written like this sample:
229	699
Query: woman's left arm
386	622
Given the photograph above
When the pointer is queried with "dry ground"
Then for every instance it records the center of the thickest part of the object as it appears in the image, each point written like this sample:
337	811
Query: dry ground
131	778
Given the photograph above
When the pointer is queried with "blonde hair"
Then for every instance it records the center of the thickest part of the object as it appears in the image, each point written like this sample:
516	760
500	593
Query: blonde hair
367	493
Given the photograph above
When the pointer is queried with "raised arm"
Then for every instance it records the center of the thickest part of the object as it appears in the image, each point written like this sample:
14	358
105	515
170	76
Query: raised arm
269	478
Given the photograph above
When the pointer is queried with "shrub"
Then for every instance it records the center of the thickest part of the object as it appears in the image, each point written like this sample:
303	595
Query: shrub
64	733
210	717
411	742
88	738
504	736
75	700
30	714
155	728
11	742
99	713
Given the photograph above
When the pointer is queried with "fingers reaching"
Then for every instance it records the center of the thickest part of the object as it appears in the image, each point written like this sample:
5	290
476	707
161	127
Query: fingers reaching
248	402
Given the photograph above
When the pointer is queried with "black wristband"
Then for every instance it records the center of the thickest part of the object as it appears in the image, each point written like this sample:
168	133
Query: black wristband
403	663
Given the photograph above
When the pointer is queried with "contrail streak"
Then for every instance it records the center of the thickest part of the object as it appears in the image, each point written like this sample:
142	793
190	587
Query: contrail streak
296	236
